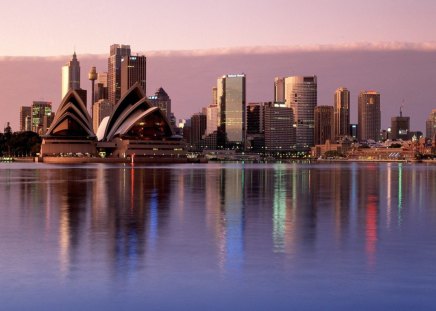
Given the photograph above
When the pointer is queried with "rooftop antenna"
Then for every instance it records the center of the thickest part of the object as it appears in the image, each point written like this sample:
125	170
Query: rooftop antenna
401	108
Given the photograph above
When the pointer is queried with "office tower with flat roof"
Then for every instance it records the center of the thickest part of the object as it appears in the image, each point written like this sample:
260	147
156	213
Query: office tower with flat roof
400	127
117	52
278	128
255	137
197	131
25	118
324	128
133	69
42	116
430	125
71	75
341	113
369	116
162	100
279	90
301	96
231	106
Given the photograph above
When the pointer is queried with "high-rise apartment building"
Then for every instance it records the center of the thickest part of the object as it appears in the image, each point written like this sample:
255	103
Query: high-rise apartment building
71	75
117	52
341	113
231	109
25	118
301	96
400	127
133	69
369	116
279	133
279	90
42	116
324	124
430	125
162	100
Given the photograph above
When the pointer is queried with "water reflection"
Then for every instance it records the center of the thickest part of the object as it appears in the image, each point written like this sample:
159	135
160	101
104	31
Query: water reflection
228	219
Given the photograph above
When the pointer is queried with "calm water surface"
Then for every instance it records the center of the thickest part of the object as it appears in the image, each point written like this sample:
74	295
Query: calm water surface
218	237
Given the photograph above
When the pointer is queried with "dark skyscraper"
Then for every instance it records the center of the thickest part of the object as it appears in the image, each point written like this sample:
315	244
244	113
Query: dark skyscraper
133	69
162	100
400	127
25	118
323	124
117	52
341	113
279	133
369	115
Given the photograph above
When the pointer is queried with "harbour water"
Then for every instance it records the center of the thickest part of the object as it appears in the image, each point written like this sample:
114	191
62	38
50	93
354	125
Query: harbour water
234	236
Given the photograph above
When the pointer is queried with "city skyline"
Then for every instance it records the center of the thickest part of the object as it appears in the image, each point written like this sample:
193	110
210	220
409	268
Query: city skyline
392	78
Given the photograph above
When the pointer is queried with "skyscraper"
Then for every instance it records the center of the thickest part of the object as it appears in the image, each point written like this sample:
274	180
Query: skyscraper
102	108
430	125
369	115
25	118
198	129
117	52
279	90
301	96
162	100
279	134
71	75
133	69
341	113
42	116
101	89
231	107
400	127
324	129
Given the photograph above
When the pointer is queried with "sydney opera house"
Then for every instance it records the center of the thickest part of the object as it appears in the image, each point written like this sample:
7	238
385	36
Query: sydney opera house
134	129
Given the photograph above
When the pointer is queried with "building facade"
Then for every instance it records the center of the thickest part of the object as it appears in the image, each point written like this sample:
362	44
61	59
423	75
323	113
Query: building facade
400	127
42	116
430	125
301	97
341	113
369	116
231	106
162	100
25	118
102	109
133	69
279	90
71	75
324	124
279	131
117	52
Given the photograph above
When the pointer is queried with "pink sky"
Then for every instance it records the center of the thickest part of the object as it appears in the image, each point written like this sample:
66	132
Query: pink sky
386	45
398	72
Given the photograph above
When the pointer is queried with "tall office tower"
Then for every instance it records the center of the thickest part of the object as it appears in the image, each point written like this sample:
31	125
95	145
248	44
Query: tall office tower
341	113
71	75
279	133
400	127
231	109
369	115
117	52
279	90
162	100
42	116
133	69
102	108
324	124
430	125
101	91
301	96
255	137
198	129
25	117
